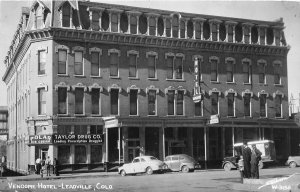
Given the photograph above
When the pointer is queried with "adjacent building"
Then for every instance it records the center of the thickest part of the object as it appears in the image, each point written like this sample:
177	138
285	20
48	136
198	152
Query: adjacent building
90	83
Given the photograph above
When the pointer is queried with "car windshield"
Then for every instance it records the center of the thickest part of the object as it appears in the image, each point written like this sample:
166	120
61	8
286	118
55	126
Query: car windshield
153	158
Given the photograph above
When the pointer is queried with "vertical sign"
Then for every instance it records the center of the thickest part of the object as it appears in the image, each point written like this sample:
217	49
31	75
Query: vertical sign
197	97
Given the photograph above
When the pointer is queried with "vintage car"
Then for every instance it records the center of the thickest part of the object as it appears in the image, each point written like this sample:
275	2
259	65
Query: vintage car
266	147
142	164
293	161
181	162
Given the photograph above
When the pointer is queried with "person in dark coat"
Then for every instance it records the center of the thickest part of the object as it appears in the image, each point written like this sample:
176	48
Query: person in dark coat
255	158
246	157
55	167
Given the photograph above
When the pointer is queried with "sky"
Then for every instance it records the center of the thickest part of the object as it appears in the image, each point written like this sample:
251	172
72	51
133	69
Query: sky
10	13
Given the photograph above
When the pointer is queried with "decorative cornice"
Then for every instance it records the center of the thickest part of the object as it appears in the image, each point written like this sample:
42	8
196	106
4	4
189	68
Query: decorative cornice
214	90
95	86
263	92
79	85
278	93
62	84
247	91
133	87
230	91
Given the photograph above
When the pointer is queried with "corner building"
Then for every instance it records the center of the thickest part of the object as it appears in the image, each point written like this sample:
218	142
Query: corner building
160	74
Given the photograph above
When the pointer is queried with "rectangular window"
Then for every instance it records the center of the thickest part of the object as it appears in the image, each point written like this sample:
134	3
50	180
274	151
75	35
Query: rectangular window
278	101
133	25
171	102
114	101
95	93
96	129
215	103
261	72
263	104
182	29
62	100
95	64
179	104
178	68
95	21
230	33
41	62
39	18
198	109
78	63
96	154
262	36
247	103
152	26
64	129
64	154
230	100
114	22
62	62
152	102
214	70
133	101
79	98
247	35
247	72
42	101
80	154
151	66
66	15
214	32
168	28
114	65
132	65
170	68
80	129
229	68
277	77
198	30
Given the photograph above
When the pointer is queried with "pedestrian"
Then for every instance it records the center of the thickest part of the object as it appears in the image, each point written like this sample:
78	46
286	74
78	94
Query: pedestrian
255	158
48	164
55	167
241	168
246	151
37	166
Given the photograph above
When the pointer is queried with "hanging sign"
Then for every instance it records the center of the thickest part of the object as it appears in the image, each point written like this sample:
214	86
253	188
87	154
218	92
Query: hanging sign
197	97
40	139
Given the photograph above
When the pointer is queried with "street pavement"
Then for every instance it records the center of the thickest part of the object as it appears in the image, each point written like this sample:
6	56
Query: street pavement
201	180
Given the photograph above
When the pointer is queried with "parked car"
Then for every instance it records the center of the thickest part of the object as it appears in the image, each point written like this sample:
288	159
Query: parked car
293	161
142	164
266	147
181	162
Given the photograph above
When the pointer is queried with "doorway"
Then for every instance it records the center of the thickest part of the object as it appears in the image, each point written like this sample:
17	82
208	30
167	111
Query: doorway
152	141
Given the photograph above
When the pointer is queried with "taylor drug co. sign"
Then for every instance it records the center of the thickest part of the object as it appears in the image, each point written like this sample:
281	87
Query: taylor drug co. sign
77	139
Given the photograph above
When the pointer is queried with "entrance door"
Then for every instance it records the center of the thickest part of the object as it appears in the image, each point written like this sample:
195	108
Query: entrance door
44	154
113	151
152	141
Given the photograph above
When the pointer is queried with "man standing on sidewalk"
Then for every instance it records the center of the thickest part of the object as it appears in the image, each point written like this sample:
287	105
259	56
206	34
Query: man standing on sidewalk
255	158
246	157
48	164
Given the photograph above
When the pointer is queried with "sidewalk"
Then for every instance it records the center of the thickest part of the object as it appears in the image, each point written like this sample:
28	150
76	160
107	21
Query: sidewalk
35	177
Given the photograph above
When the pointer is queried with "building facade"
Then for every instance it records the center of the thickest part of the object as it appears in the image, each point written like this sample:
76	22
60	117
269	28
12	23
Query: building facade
3	129
170	82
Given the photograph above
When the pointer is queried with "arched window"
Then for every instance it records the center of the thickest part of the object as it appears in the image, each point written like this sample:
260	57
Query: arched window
105	21
66	15
182	29
222	32
270	36
160	26
143	24
152	26
168	27
238	33
124	23
254	35
190	29
206	30
175	26
95	21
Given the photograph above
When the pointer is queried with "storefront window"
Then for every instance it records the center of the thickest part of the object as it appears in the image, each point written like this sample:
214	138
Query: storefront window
96	129
80	154
80	130
96	153
64	154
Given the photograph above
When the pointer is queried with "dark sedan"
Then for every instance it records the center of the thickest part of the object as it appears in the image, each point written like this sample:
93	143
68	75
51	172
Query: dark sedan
181	162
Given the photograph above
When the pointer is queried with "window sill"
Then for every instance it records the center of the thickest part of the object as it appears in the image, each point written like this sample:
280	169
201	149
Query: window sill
278	117
247	83
114	77
152	79
179	80
63	75
62	115
278	85
134	115
262	84
79	115
80	76
42	75
231	83
44	115
96	115
134	78
95	76
232	117
215	82
152	115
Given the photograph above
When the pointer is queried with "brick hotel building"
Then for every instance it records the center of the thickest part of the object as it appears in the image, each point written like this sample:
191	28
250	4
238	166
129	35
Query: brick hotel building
161	75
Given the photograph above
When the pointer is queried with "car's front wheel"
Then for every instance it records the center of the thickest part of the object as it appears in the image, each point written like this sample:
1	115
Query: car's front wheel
293	164
149	170
185	169
227	167
123	173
